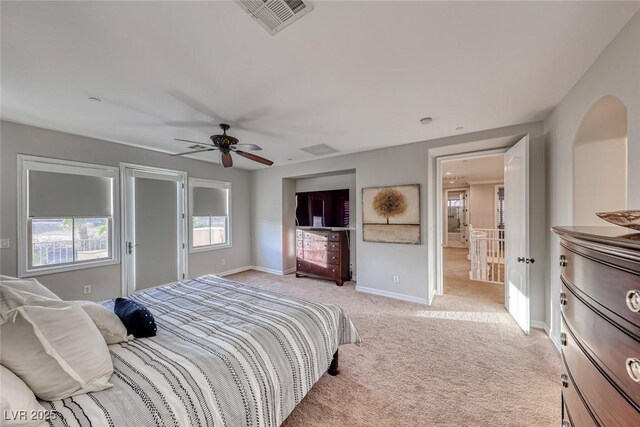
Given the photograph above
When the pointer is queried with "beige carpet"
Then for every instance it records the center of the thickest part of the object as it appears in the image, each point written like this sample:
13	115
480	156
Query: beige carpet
460	362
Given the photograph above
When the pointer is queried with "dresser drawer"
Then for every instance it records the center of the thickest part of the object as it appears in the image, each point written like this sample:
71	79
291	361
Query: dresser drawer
316	245
333	236
322	258
300	253
610	346
310	235
607	285
299	234
299	243
579	415
608	406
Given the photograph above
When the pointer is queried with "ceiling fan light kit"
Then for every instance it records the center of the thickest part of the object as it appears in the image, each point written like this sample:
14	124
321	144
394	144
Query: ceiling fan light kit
226	144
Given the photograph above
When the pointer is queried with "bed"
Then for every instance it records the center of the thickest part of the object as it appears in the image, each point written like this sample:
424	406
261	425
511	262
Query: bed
226	354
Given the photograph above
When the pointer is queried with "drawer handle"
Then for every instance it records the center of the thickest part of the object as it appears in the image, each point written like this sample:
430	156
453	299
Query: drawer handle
563	261
563	339
564	380
633	369
633	300
563	298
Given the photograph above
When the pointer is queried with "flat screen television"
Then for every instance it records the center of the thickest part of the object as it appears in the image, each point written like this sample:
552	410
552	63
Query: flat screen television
323	209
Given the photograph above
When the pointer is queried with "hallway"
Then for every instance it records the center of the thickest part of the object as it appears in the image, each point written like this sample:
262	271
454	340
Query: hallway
457	283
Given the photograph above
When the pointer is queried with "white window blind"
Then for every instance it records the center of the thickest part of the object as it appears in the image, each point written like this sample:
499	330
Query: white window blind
208	201
61	195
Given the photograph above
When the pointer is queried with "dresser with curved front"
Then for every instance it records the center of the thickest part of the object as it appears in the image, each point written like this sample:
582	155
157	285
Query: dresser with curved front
600	338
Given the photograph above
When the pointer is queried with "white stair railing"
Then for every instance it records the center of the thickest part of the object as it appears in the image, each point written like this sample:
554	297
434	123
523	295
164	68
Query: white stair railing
486	253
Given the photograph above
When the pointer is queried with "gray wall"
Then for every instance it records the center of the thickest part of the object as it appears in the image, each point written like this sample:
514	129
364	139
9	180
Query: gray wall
105	281
410	164
616	72
337	182
482	206
377	262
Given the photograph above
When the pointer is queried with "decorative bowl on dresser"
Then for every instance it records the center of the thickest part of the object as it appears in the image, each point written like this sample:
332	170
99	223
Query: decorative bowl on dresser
323	254
600	337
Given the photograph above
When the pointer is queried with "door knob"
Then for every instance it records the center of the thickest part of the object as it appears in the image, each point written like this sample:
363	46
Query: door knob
130	247
563	261
520	259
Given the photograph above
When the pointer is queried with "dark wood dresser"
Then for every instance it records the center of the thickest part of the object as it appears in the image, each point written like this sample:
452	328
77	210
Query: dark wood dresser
322	254
600	337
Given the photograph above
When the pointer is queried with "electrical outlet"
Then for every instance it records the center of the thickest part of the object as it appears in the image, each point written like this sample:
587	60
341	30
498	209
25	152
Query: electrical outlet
396	279
87	289
224	261
5	243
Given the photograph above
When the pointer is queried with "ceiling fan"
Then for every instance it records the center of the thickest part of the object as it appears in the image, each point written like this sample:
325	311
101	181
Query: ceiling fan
226	144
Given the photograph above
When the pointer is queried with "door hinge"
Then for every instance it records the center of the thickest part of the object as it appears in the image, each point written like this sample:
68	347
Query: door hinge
183	185
183	246
182	216
183	275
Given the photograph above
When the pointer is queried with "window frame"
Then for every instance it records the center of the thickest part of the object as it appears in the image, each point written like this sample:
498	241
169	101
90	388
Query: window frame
210	183
24	248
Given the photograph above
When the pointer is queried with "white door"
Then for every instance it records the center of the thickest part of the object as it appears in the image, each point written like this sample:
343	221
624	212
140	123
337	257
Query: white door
154	244
516	197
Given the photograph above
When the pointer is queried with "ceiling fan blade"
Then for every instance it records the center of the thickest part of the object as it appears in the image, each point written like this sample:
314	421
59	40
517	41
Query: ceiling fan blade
227	161
255	158
196	151
191	142
250	147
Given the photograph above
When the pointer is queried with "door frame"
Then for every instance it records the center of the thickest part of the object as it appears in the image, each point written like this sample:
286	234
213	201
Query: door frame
439	258
126	216
445	236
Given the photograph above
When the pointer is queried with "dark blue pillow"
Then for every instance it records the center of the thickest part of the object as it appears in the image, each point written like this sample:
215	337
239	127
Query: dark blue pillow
136	318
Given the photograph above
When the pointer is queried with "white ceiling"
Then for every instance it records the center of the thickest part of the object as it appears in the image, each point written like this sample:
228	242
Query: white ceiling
353	75
476	170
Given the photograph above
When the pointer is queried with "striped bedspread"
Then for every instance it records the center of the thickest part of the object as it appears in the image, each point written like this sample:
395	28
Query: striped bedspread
226	354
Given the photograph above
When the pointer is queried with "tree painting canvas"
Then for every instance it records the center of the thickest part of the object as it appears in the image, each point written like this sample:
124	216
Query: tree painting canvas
391	214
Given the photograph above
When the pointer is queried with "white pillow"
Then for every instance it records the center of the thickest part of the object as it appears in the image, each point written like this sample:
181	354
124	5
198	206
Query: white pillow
57	351
18	404
108	323
27	285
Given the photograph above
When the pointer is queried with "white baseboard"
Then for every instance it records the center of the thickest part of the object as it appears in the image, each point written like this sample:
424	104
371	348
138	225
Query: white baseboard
542	325
539	325
290	271
234	271
272	270
393	295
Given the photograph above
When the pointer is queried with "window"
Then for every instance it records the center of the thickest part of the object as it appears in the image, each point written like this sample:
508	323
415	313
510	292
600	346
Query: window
66	215
210	203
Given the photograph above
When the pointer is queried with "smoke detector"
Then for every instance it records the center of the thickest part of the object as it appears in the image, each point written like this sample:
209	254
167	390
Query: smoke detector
274	15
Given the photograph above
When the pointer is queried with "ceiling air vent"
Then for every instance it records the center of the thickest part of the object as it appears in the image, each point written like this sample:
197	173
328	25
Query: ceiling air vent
319	150
274	15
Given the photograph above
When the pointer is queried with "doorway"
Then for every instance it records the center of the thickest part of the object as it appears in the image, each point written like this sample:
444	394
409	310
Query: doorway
497	219
456	217
154	226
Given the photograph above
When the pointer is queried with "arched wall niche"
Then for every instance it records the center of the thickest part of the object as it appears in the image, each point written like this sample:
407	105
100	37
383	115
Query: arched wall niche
600	161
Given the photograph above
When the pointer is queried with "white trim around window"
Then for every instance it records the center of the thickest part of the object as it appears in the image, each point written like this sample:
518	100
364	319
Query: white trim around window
209	183
24	247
